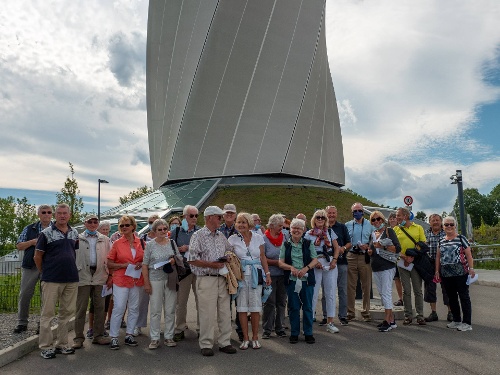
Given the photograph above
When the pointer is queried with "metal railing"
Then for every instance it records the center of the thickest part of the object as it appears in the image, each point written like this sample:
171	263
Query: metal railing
485	254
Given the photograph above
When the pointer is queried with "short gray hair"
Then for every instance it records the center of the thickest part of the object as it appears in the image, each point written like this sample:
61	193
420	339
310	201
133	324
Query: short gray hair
187	208
298	223
404	211
44	207
104	223
157	223
63	205
275	220
450	218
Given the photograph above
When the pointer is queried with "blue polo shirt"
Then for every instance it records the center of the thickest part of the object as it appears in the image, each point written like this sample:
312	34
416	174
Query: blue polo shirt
59	258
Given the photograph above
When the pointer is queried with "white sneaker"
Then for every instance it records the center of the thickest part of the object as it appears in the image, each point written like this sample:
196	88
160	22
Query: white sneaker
453	325
464	327
330	327
154	344
137	331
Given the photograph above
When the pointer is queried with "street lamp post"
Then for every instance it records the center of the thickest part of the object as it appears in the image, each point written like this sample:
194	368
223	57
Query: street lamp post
457	179
99	182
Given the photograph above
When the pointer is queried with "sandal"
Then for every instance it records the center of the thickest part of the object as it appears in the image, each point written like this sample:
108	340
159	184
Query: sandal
244	345
256	344
407	321
398	303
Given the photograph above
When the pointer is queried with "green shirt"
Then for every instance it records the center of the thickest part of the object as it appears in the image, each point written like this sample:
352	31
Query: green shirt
297	259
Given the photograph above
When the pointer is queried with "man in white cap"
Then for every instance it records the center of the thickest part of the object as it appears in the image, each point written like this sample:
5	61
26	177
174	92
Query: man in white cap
229	216
206	247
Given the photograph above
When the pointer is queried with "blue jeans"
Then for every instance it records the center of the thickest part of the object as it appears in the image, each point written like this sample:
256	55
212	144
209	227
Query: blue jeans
295	302
342	290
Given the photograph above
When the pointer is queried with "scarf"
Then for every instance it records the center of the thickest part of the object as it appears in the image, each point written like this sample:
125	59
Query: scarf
276	242
320	235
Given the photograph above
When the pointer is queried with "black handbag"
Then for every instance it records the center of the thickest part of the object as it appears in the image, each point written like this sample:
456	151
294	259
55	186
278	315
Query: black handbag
421	261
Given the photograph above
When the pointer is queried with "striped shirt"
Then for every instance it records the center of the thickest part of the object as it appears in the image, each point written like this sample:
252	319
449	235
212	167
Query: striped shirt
207	246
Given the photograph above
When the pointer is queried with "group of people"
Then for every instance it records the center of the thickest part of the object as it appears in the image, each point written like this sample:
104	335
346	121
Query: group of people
269	269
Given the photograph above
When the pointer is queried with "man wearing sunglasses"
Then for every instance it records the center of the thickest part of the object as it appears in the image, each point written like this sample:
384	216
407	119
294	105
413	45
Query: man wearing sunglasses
360	231
29	273
91	260
181	236
206	248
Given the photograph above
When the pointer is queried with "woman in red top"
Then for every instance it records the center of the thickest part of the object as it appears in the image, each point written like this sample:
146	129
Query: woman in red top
125	256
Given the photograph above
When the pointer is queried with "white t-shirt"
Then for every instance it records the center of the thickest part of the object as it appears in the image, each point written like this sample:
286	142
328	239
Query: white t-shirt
244	252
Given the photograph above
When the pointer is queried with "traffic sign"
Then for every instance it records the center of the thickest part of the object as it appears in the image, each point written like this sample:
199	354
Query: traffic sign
408	200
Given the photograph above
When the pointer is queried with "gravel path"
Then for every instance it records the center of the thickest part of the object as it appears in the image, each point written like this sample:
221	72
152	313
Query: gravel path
7	324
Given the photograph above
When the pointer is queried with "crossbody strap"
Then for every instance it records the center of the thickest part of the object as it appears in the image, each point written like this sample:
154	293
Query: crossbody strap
410	237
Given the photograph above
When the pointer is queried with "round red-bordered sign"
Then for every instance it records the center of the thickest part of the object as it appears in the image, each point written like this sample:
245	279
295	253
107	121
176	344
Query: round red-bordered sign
408	200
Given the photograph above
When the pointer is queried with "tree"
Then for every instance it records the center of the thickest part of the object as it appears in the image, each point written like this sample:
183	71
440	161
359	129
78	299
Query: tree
478	206
421	215
26	213
137	193
8	235
494	197
70	194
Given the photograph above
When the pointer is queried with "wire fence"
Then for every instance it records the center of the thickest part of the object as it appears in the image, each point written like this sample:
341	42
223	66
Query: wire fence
10	282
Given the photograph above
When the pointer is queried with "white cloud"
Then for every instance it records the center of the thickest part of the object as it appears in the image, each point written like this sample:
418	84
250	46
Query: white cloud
409	78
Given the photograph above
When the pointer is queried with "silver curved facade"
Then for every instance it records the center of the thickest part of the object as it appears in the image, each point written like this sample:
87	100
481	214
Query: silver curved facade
240	87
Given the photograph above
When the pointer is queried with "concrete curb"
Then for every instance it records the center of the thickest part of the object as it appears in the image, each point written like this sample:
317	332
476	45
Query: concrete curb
24	347
488	283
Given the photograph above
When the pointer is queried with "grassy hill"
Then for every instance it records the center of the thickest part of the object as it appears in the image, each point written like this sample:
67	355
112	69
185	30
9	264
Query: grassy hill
288	200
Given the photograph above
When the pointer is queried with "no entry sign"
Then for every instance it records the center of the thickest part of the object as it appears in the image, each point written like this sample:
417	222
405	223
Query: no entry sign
408	200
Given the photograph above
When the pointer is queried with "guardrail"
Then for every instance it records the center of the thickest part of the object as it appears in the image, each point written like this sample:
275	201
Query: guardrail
486	256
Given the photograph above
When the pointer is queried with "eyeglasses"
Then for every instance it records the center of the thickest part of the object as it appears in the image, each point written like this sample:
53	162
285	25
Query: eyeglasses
46	212
357	211
125	225
320	218
162	229
92	221
376	219
193	215
219	217
449	224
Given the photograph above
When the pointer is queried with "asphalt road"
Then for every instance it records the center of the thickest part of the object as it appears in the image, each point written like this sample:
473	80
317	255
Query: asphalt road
357	349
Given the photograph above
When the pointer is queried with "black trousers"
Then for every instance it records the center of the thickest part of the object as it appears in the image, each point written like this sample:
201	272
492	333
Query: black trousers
456	288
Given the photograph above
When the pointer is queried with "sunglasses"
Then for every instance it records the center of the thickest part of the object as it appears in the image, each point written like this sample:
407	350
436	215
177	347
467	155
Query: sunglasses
193	215
162	229
357	211
376	219
449	224
92	221
320	218
46	212
125	225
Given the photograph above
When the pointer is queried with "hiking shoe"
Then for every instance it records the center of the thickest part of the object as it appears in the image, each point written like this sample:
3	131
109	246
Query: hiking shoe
228	349
169	342
77	344
367	318
408	321
343	321
207	352
20	329
324	322
179	336
453	325
399	302
101	340
294	339
421	322
449	317
90	334
48	354
129	340
65	351
464	327
154	344
114	344
137	331
310	339
384	327
266	335
280	334
330	327
433	317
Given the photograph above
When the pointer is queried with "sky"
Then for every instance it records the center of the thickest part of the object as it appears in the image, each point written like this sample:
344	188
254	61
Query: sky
417	87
